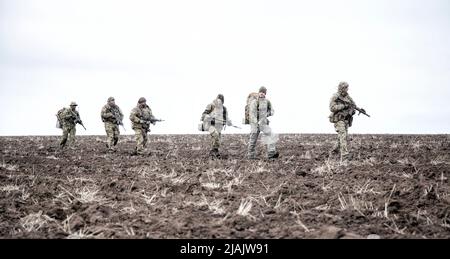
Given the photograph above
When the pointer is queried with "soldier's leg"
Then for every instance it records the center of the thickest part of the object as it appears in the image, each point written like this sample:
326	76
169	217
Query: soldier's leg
337	146
109	135
64	136
116	134
270	139
215	141
72	133
139	140
254	133
341	129
144	137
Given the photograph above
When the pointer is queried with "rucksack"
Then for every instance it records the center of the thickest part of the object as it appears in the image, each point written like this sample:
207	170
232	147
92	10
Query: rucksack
59	118
250	98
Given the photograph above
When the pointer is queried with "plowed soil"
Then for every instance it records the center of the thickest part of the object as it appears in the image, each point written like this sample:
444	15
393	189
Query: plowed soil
396	186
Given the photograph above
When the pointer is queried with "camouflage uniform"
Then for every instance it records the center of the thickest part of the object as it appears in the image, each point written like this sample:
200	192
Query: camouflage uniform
215	117
260	109
341	106
112	116
69	118
141	117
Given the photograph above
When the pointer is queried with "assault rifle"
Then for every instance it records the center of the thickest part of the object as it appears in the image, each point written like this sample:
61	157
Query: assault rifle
360	110
78	120
155	120
152	121
213	121
118	120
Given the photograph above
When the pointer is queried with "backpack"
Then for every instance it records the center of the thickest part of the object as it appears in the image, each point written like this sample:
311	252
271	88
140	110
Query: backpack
250	97
59	118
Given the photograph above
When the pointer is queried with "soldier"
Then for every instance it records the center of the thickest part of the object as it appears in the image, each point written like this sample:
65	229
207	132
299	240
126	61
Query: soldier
215	117
68	118
342	109
112	116
259	109
141	117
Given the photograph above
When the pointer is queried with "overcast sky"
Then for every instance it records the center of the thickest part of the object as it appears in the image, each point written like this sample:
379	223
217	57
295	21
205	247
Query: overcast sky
179	54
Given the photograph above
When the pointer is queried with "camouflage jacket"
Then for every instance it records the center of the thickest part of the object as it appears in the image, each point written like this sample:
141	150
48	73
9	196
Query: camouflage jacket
69	118
342	108
217	111
112	114
260	109
137	115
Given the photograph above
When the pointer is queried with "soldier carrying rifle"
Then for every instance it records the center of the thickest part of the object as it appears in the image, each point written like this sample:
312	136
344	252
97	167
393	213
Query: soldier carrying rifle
112	116
214	119
141	117
342	109
67	120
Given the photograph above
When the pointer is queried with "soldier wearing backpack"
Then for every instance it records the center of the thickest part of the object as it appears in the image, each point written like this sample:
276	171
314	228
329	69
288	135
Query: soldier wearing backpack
259	109
214	118
112	116
67	120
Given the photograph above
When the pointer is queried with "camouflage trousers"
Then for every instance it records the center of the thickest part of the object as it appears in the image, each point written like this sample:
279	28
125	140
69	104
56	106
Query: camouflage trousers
68	135
215	137
268	138
112	134
341	145
141	139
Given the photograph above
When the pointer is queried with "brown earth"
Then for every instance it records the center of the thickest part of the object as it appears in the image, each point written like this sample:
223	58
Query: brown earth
396	187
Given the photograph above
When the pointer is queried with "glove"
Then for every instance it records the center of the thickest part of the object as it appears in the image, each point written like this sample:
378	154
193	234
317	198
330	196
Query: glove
154	122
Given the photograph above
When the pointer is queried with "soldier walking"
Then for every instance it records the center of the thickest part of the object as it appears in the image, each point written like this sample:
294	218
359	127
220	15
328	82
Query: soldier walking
260	109
67	120
112	116
214	118
141	116
342	109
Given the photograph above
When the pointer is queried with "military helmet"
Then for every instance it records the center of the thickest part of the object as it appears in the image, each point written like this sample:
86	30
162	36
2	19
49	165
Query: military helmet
220	96
73	104
142	100
111	99
262	89
343	84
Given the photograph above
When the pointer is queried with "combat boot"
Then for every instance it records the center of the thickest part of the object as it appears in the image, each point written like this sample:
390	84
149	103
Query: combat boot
273	155
214	153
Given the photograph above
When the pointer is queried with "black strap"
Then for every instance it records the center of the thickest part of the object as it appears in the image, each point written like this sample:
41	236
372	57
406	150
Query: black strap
257	109
224	114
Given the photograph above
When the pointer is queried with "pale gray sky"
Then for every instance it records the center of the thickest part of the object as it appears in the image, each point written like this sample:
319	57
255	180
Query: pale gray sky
180	54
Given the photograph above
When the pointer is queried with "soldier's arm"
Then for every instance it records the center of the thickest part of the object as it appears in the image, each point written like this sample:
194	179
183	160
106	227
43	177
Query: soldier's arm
78	117
67	115
134	116
152	118
351	100
271	110
335	106
106	114
227	121
209	108
120	114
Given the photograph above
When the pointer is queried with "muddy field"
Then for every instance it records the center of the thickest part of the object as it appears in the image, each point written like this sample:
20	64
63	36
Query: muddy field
396	187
